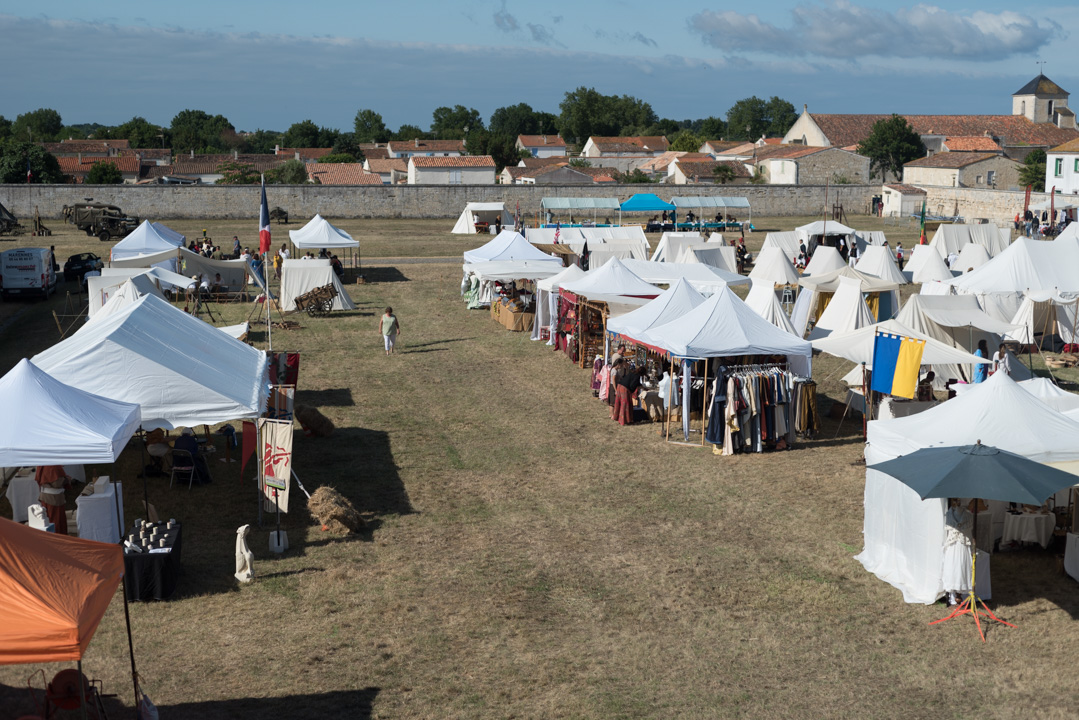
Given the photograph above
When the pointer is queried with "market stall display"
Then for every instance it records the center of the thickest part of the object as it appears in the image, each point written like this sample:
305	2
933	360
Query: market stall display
152	560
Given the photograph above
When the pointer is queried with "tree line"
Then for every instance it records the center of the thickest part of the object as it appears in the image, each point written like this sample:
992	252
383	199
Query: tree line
583	112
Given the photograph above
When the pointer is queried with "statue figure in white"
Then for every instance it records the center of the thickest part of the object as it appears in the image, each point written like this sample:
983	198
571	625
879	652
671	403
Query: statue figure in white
244	557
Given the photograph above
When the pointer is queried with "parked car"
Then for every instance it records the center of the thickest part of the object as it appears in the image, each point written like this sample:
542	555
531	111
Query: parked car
78	265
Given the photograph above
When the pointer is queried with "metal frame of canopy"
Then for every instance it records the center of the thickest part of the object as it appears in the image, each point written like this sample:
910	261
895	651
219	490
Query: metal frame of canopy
714	201
593	204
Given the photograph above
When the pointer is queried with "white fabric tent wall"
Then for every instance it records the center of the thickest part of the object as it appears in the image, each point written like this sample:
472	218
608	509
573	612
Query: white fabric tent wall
143	240
904	535
971	256
233	272
773	266
762	299
878	260
1025	266
1050	394
319	234
721	257
566	236
951	238
704	278
672	244
825	259
507	245
301	276
547	300
673	303
1048	317
926	265
857	346
845	313
481	212
786	242
869	238
179	369
120	297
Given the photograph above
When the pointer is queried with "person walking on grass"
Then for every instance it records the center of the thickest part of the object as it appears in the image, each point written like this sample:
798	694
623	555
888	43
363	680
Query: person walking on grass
390	328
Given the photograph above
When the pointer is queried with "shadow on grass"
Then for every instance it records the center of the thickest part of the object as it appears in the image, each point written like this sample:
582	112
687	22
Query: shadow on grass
413	352
384	275
440	342
335	397
1021	576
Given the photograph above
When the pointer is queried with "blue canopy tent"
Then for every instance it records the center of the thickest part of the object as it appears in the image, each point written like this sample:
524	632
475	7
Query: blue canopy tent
644	202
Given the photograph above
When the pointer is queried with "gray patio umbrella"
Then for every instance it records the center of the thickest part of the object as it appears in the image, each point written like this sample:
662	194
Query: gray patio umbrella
976	471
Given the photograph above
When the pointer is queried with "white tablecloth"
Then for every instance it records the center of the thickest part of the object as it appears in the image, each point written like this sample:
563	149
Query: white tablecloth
22	492
96	514
1029	527
1071	556
891	408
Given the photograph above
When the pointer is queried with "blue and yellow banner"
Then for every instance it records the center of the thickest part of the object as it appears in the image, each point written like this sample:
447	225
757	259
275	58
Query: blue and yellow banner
896	361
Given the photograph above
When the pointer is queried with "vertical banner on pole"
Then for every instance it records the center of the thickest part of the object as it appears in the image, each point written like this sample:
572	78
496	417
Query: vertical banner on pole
275	454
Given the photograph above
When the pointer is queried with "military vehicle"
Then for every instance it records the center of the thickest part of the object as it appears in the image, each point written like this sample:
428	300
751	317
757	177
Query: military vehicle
105	221
9	225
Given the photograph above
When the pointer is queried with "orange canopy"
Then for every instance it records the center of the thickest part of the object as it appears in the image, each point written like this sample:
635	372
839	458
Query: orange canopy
54	589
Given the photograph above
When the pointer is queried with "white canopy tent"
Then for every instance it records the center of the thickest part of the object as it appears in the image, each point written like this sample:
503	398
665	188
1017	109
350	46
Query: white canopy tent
70	425
877	260
845	313
857	346
1049	393
1026	265
508	245
611	280
672	304
971	256
713	254
571	236
950	238
825	259
476	212
926	265
144	240
168	233
118	297
547	301
671	245
774	267
815	234
763	301
507	270
1044	314
319	234
179	369
704	278
301	276
903	534
786	242
233	273
102	287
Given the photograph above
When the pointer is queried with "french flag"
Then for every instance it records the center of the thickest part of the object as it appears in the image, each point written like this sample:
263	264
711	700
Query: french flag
264	222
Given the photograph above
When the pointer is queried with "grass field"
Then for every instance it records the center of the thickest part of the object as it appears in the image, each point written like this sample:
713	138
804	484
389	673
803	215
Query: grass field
529	558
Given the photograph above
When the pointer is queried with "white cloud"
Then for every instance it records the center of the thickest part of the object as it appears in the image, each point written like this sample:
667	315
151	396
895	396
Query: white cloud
842	30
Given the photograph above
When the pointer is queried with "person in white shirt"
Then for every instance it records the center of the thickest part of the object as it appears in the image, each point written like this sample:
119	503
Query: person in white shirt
1001	363
284	252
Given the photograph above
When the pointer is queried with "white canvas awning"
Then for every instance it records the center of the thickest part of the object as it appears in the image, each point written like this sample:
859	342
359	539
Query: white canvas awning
773	266
508	270
673	303
704	278
475	212
613	279
144	240
508	245
320	234
878	260
301	276
857	346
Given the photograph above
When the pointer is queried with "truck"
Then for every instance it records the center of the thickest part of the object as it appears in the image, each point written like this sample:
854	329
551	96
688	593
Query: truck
27	272
105	221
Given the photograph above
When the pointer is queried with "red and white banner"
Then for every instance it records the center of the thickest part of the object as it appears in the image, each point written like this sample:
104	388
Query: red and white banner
275	458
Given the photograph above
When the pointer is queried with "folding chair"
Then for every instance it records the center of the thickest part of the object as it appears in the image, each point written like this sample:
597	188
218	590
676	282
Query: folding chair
182	463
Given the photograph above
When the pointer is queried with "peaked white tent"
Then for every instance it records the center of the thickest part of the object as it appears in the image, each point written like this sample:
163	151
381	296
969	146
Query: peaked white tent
1049	393
814	234
1026	265
903	534
868	238
1044	314
142	241
845	313
301	276
786	242
612	280
951	238
547	301
763	301
233	273
671	245
883	295
42	410
670	305
825	259
774	267
926	265
704	278
971	256
857	346
168	233
102	287
179	369
724	326
318	233
487	212
508	245
506	270
119	297
877	260
720	256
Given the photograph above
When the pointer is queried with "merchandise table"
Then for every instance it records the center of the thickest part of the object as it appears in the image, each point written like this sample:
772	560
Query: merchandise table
154	573
96	514
1071	556
511	320
1029	527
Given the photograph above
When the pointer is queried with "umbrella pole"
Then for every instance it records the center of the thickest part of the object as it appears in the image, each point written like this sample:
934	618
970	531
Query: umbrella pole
127	615
82	690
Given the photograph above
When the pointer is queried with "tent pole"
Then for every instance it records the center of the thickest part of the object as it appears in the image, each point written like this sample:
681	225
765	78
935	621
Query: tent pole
704	403
670	398
82	690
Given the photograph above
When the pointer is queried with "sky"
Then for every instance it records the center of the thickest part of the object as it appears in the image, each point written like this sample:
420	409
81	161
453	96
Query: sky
269	64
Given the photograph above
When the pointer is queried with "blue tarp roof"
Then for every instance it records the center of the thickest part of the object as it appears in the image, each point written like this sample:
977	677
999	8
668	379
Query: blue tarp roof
646	202
709	202
549	203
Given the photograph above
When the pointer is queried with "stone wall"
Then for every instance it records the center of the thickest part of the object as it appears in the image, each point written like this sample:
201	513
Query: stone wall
997	206
164	202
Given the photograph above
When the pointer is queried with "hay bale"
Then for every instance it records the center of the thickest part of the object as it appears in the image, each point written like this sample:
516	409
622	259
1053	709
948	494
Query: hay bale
334	512
314	423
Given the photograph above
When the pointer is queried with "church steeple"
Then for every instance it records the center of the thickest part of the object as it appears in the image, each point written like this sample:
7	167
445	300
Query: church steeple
1043	101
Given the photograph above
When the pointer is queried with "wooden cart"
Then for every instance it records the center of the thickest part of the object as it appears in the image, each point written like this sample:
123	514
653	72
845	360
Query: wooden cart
317	302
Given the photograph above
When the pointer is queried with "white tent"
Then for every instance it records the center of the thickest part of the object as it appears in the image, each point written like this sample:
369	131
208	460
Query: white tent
814	233
810	303
724	326
507	270
956	320
168	233
143	240
236	331
672	304
951	238
547	300
487	212
926	265
857	346
825	259
566	236
845	313
118	297
720	256
1049	393
40	410
1026	265
233	272
762	300
102	287
903	534
301	276
507	245
774	267
704	278
786	242
878	260
971	256
1044	314
671	245
869	238
320	234
612	280
179	369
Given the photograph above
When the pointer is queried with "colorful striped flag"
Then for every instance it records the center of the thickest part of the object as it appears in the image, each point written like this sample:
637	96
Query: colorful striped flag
557	232
896	362
264	222
921	241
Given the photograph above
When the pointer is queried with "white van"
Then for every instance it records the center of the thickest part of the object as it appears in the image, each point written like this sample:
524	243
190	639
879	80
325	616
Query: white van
27	272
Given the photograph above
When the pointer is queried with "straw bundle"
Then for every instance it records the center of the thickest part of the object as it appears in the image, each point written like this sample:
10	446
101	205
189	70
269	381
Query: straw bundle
334	512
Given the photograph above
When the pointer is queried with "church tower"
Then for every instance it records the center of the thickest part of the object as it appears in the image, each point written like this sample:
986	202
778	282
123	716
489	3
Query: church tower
1043	101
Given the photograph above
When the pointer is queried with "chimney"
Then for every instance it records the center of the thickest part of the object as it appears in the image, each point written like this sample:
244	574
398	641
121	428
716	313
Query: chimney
192	153
297	153
805	108
544	139
417	142
80	158
235	154
276	149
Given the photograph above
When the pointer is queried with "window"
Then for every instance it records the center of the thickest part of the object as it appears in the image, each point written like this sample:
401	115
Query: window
455	177
991	176
1077	165
1023	108
1058	167
978	180
1050	108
